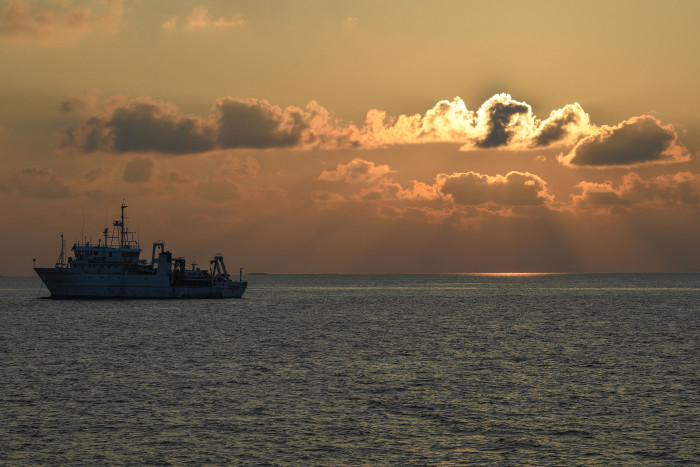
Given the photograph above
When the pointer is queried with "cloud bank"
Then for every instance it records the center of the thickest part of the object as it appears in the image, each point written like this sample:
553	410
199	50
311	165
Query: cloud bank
146	125
447	193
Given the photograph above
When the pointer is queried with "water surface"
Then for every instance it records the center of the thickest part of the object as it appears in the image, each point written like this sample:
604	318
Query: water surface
378	369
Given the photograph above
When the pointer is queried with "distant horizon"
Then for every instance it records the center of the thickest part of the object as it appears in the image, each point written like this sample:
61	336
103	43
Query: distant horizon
479	274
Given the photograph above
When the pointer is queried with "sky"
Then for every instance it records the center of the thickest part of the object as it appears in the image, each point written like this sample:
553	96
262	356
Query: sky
315	136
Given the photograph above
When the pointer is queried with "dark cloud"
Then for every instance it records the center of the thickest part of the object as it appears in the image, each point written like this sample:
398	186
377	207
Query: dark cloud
500	115
637	141
138	170
142	126
514	189
145	127
254	123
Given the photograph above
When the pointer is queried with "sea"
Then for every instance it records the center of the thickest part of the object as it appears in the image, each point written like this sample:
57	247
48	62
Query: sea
475	369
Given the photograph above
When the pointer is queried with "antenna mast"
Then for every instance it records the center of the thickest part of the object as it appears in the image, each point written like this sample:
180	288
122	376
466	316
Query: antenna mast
122	239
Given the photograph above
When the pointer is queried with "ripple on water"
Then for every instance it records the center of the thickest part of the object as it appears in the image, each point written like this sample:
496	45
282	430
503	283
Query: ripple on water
359	369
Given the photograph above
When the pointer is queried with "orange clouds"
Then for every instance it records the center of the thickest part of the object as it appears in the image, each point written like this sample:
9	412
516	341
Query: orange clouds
56	23
147	125
469	193
682	188
356	171
500	122
449	194
201	18
513	189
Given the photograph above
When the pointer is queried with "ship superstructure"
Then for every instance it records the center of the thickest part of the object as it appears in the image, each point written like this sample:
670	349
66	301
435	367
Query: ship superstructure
113	268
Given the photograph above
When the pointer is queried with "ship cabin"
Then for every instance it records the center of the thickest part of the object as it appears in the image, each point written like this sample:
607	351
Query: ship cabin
117	251
85	253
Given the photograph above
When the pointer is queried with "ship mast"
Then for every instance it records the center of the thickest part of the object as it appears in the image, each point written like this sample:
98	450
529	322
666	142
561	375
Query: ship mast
121	239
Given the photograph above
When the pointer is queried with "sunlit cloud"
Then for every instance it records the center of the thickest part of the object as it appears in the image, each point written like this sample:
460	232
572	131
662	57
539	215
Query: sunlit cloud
500	122
148	125
638	141
58	22
512	189
447	195
682	188
171	23
356	171
201	18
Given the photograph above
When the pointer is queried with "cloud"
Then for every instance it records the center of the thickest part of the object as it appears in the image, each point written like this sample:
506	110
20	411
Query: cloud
40	183
171	23
80	104
458	193
356	171
146	125
201	18
142	125
503	119
253	123
57	23
637	141
138	170
500	122
513	189
682	188
563	126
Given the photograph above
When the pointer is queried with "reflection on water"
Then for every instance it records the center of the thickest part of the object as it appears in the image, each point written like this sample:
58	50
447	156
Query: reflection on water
415	369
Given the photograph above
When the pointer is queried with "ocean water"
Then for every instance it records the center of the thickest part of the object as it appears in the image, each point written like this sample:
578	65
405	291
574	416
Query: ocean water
368	369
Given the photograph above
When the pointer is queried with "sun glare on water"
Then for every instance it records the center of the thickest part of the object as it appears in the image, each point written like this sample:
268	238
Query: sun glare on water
511	274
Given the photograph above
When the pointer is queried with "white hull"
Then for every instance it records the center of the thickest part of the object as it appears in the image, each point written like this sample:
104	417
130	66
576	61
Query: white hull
113	269
65	283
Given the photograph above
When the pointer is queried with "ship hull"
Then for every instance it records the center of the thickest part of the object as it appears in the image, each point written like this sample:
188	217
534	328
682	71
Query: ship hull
65	283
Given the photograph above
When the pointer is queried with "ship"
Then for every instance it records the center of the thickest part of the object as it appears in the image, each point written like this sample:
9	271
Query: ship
113	268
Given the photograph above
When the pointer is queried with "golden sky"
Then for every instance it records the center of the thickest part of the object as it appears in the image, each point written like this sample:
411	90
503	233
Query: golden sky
356	137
